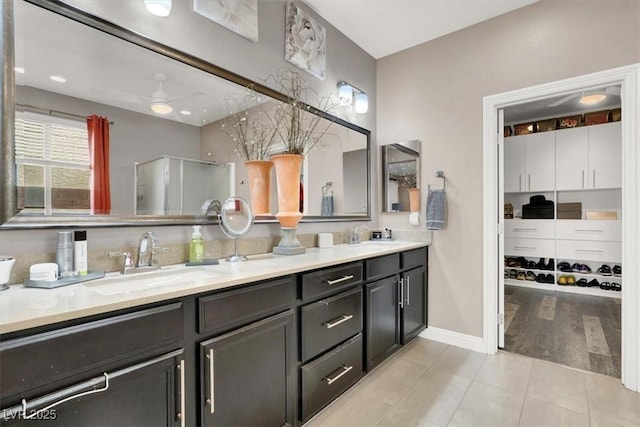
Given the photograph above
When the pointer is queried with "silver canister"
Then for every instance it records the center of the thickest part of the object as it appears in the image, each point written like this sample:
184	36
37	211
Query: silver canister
64	254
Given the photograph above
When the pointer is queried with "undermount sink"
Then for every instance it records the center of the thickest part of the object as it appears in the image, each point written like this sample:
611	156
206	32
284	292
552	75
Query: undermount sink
150	280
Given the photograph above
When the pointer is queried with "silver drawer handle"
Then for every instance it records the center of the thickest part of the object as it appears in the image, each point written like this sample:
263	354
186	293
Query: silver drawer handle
342	279
589	231
525	229
589	251
525	248
335	322
330	379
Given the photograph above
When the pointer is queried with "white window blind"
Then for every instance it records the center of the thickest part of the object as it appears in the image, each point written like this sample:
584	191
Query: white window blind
53	143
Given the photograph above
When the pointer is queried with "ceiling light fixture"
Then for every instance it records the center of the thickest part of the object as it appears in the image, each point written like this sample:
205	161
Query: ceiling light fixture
159	99
158	7
185	112
592	98
58	79
19	70
349	94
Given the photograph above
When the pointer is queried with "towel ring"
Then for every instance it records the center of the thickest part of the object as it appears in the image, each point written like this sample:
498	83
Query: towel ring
440	174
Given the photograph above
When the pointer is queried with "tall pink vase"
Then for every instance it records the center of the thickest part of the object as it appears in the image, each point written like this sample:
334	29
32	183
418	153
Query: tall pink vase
259	172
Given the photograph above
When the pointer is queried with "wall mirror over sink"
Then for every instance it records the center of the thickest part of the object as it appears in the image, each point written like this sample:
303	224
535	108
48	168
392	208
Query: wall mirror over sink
400	173
163	108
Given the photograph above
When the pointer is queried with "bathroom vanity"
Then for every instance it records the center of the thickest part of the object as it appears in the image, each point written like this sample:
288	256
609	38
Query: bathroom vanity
255	343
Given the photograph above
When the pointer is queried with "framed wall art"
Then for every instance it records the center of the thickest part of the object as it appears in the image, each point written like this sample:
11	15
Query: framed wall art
239	16
305	41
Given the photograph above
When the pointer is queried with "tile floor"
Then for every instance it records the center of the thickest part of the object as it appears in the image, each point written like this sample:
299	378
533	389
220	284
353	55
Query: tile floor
432	384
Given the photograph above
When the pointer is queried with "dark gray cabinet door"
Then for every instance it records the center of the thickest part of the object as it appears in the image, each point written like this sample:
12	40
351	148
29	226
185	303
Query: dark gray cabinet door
149	393
414	305
248	375
383	332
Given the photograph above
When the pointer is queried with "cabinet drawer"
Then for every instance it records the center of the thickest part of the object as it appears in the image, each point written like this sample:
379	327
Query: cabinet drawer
58	355
234	308
326	378
529	247
529	228
413	258
326	323
585	250
589	230
330	280
383	266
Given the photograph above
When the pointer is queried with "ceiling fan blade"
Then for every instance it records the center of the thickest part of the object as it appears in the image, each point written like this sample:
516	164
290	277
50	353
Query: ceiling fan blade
565	99
188	96
115	95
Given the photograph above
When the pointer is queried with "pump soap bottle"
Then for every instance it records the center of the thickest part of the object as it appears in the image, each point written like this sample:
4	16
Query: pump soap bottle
196	246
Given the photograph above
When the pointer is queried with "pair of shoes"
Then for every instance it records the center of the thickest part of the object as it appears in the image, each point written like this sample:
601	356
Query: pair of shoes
513	274
617	271
604	270
593	283
580	268
616	287
550	264
564	266
582	283
549	278
566	281
606	286
531	276
521	276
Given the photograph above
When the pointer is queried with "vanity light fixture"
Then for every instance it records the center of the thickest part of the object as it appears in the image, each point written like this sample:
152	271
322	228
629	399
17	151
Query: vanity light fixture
592	98
158	7
58	79
349	94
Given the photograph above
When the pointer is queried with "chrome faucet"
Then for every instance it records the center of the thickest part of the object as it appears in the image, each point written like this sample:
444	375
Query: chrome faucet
355	233
211	205
147	259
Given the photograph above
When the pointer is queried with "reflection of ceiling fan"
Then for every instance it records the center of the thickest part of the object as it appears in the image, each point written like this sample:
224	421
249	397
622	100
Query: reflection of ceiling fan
589	97
159	101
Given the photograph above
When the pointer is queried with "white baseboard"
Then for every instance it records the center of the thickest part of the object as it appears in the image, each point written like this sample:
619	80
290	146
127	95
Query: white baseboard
457	339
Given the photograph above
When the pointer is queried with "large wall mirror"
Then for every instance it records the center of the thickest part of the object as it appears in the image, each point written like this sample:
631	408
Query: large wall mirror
114	73
400	172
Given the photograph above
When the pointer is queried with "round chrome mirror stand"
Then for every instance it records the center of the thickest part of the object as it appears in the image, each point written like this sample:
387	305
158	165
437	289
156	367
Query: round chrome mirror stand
236	257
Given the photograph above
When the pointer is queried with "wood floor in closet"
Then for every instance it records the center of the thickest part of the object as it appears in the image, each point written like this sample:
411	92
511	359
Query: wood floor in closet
581	331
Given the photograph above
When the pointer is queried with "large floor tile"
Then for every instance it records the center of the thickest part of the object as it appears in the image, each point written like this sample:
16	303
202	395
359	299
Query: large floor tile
540	414
558	386
459	362
434	397
609	400
398	418
484	405
506	371
422	351
389	382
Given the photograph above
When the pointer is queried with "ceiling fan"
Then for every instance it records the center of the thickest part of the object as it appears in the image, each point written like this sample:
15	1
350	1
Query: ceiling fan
589	97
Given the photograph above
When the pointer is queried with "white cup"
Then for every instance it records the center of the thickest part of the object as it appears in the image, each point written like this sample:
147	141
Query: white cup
6	264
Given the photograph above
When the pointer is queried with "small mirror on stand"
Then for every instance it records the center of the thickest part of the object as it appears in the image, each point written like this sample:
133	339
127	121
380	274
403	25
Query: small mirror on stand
236	218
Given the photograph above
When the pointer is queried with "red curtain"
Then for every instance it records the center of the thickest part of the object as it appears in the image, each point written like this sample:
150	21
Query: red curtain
99	163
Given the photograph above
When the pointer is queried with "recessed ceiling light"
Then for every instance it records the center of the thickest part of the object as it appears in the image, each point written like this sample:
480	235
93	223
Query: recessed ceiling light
592	98
185	112
158	7
58	79
19	70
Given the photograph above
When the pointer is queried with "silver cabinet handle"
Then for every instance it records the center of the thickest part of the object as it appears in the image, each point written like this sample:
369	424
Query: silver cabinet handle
408	295
529	182
210	400
335	376
533	230
594	179
589	251
401	290
335	322
525	248
588	231
582	178
182	415
342	279
520	182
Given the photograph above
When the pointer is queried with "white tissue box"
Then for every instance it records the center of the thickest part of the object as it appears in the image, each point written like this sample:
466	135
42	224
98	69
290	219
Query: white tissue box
45	272
325	240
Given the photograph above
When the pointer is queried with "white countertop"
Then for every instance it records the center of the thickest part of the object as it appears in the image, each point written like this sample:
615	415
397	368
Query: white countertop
23	308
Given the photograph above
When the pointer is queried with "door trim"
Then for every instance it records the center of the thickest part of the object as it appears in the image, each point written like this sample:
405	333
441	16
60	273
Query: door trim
629	79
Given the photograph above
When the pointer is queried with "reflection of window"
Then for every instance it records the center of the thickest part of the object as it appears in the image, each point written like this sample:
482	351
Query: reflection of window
52	164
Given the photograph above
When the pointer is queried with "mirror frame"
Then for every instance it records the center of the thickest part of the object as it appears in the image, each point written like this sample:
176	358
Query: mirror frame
8	217
409	147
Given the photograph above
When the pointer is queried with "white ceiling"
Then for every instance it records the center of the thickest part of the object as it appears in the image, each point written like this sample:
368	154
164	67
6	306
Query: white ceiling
383	27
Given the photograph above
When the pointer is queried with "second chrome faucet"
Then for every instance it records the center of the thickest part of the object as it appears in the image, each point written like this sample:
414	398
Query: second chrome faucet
147	257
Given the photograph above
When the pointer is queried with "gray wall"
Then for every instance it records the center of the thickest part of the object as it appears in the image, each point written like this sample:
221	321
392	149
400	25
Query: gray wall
434	92
192	33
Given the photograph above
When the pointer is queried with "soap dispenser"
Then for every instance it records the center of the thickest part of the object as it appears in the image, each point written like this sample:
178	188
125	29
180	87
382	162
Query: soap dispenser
196	246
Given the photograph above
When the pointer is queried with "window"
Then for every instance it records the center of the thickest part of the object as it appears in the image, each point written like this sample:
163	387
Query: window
52	164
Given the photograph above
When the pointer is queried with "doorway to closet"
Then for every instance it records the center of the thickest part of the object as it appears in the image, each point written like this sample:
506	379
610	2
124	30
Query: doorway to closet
550	278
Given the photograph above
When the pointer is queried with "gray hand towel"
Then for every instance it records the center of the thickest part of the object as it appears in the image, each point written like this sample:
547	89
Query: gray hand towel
436	209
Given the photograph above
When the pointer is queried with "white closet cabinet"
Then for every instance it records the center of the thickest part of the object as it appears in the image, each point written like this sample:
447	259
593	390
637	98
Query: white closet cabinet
589	157
529	162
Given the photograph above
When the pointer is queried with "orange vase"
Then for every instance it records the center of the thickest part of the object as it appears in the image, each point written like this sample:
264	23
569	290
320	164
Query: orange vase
288	178
260	185
414	199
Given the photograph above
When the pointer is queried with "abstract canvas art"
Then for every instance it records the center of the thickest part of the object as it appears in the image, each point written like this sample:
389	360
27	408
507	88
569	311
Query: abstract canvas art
305	41
239	16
